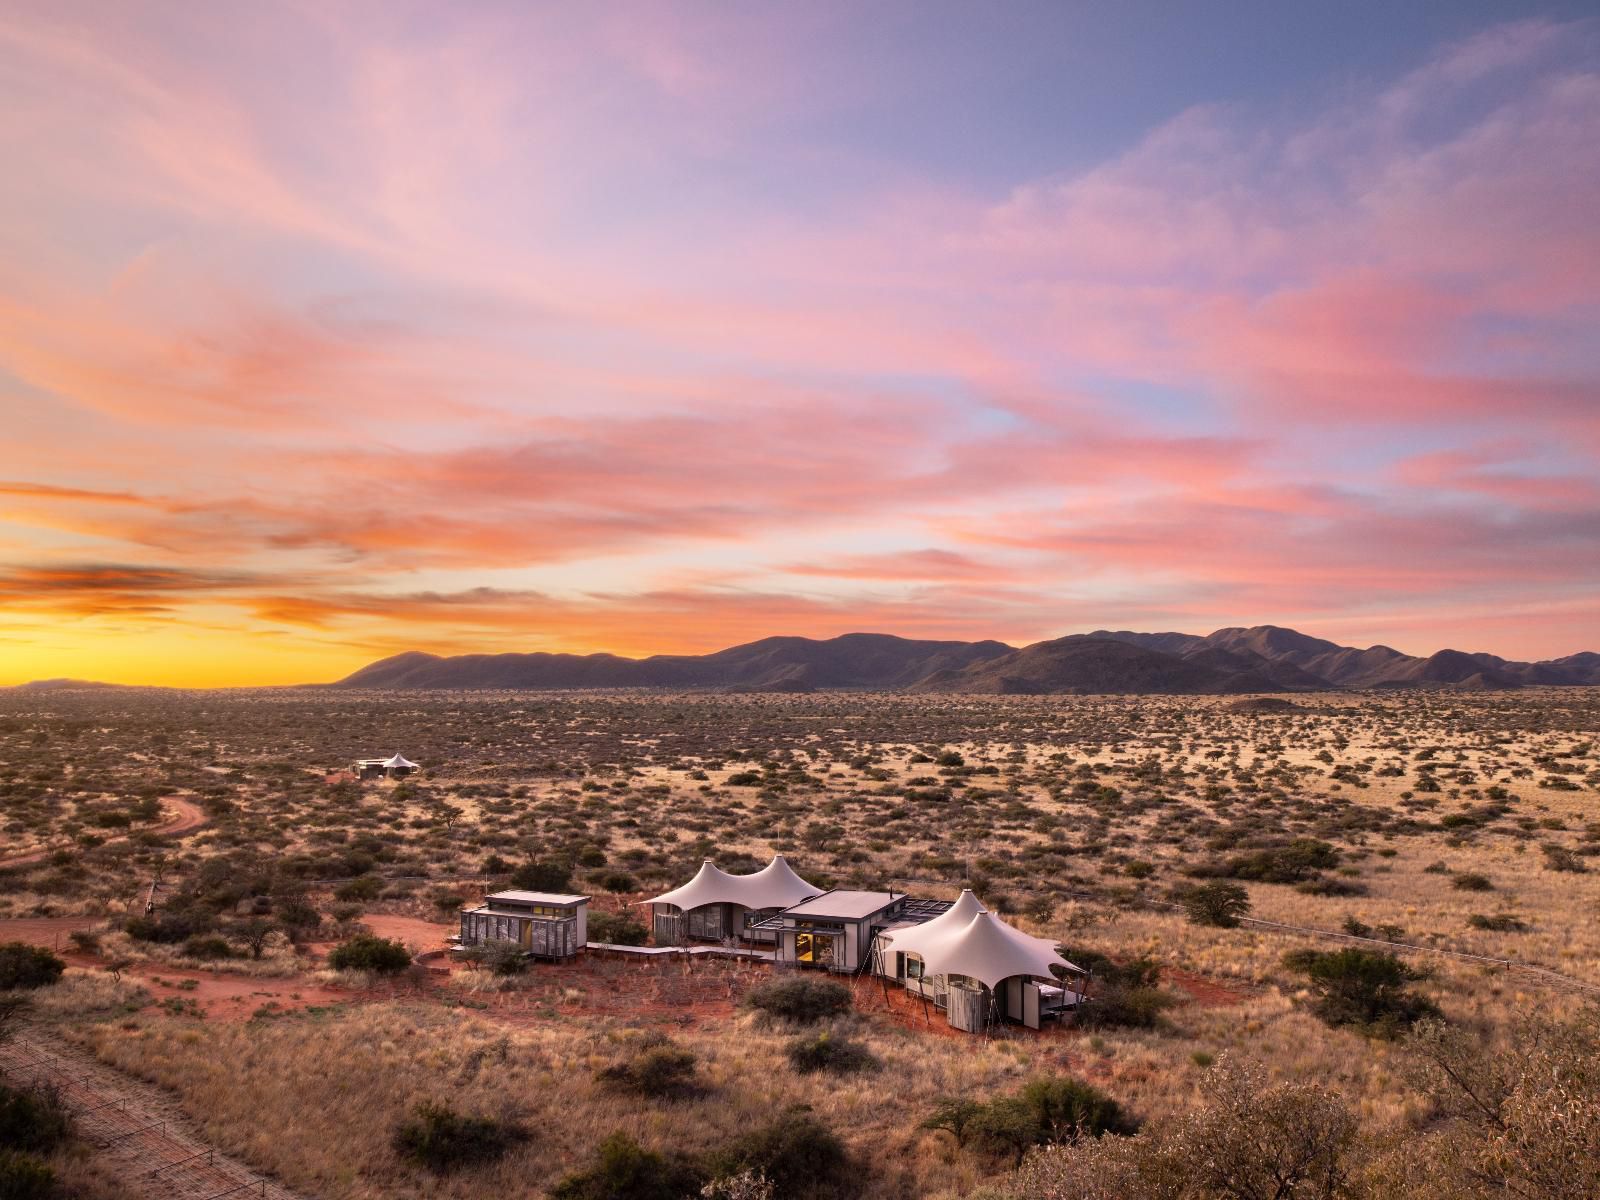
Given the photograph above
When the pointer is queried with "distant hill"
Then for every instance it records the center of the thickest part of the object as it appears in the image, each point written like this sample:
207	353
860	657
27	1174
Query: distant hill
1264	658
64	685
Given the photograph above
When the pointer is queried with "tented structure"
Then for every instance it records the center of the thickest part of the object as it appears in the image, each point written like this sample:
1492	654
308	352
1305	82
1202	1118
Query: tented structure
970	947
989	951
912	938
397	766
715	905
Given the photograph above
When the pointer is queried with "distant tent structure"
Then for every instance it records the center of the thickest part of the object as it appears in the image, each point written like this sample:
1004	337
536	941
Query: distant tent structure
715	905
397	766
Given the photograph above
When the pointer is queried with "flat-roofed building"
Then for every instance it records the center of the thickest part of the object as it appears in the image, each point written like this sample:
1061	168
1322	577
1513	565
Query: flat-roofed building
543	924
834	931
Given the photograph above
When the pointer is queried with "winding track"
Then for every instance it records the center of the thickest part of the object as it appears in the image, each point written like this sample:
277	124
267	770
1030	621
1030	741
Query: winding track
190	816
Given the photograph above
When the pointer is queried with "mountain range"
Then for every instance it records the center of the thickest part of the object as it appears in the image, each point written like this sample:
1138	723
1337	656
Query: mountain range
1264	658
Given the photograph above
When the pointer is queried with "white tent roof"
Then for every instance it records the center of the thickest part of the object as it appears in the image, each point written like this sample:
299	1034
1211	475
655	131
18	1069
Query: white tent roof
958	916
777	886
774	886
398	761
989	950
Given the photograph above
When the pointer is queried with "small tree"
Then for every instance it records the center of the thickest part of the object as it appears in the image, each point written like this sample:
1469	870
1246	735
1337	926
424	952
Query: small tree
254	934
1365	988
1217	903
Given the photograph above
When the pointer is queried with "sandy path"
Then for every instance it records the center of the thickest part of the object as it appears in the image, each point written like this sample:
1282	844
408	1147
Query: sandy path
189	817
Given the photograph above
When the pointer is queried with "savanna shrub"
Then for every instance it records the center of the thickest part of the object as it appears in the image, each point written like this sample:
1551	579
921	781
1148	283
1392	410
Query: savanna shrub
798	1153
369	953
616	929
437	1137
625	1170
829	1052
25	966
663	1071
802	998
1217	903
25	1177
33	1118
207	946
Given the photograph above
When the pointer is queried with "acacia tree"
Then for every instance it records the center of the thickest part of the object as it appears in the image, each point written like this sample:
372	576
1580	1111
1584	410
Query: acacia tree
1217	903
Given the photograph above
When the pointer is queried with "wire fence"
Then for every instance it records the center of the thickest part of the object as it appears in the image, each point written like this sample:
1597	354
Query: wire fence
155	1153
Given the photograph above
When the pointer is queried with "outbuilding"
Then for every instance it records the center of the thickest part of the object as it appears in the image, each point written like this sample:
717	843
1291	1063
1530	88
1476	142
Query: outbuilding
543	924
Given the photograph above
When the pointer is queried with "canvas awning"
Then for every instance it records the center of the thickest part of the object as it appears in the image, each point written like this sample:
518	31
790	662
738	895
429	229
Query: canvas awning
774	886
398	761
988	950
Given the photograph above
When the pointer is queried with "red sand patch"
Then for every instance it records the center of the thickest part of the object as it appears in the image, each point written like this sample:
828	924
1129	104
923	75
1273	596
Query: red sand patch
50	932
1206	992
225	997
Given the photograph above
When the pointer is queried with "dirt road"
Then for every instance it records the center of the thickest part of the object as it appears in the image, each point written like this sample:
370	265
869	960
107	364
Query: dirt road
185	817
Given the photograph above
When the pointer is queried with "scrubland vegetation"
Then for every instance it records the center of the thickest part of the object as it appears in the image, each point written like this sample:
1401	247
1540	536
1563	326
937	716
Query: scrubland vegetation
1166	842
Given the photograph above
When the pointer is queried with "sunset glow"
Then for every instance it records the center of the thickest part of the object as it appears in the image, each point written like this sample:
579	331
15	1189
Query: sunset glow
331	331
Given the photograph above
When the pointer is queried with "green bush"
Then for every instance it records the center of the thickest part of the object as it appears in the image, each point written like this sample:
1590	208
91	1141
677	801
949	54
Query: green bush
367	887
625	1170
437	1137
170	926
1291	863
25	966
207	946
503	958
543	877
798	1153
826	1052
616	929
663	1071
1123	995
1471	881
1363	988
25	1177
369	953
1049	1109
1069	1108
33	1118
1498	922
802	998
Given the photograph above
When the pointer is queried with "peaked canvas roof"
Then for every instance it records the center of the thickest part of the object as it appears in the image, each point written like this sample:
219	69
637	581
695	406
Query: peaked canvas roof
398	761
774	886
989	950
958	916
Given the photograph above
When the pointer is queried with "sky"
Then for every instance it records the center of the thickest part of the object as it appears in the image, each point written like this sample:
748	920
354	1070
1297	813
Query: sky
329	331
